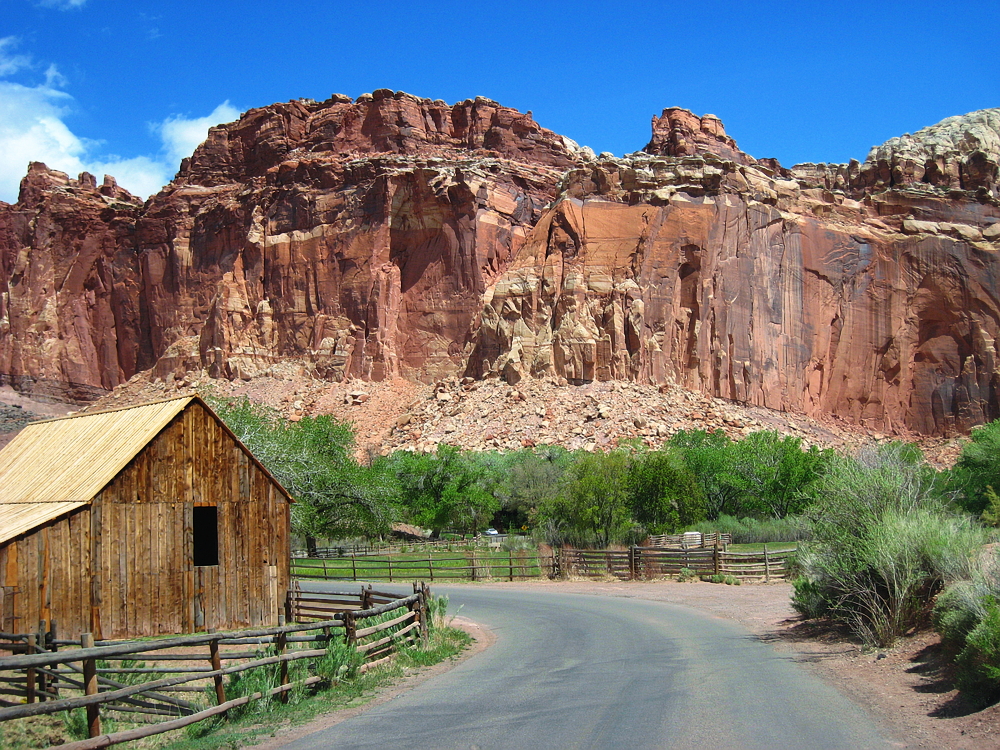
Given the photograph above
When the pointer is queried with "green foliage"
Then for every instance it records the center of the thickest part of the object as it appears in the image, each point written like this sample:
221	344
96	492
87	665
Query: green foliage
664	493
957	611
533	477
762	476
708	455
808	598
594	506
340	662
686	575
729	580
978	468
757	530
449	488
978	664
313	460
885	541
991	513
772	474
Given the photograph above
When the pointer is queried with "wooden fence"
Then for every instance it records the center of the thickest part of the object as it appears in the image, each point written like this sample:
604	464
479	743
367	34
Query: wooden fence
650	562
473	565
691	540
107	677
397	547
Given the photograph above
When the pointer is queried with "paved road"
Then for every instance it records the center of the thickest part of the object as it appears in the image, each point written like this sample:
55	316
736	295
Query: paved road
579	671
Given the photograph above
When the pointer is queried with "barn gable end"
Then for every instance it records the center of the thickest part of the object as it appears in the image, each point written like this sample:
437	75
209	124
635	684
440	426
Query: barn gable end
122	564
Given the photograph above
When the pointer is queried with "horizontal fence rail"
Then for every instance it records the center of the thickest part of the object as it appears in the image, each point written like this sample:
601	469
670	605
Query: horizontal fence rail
691	539
163	682
650	562
473	565
396	547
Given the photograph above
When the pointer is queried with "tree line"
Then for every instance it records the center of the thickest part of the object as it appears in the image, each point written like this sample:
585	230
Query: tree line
891	543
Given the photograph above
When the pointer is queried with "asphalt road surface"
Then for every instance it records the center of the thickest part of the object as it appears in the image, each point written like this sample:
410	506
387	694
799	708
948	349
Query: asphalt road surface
580	671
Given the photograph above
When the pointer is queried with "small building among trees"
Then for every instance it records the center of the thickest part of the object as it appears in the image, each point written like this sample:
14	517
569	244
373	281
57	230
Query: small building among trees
152	519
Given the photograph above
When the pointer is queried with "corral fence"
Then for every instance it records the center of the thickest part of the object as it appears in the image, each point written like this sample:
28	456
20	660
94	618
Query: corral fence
397	546
691	540
650	562
471	565
47	675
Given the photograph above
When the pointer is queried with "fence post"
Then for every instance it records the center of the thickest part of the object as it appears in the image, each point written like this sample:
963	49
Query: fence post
715	556
43	628
90	687
430	563
220	687
280	643
767	566
50	645
29	684
389	560
633	568
366	597
349	629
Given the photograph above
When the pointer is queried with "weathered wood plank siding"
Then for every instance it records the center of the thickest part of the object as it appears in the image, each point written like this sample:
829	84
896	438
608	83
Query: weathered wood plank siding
124	566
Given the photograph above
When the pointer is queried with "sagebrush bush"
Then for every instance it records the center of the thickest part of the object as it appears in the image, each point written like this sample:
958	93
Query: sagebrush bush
978	663
807	598
957	611
886	540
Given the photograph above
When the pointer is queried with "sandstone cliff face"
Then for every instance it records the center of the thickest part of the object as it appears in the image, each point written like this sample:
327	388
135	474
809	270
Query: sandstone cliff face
356	236
396	236
67	291
727	278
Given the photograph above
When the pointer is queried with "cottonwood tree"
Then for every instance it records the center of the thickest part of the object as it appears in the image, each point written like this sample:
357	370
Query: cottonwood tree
314	460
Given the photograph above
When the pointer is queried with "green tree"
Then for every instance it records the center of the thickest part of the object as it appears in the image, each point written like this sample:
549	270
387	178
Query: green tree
593	507
772	474
532	478
708	455
313	459
978	468
664	493
447	489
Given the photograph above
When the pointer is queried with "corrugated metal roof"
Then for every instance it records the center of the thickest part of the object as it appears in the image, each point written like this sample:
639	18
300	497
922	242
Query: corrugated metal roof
54	466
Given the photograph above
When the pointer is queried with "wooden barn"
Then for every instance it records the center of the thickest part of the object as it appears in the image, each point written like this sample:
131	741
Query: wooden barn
148	520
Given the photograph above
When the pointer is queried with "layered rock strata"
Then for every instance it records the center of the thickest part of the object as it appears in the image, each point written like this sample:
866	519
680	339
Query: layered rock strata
358	236
762	287
394	236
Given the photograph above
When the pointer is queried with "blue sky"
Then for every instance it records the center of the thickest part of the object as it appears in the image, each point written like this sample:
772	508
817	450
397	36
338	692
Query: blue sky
128	88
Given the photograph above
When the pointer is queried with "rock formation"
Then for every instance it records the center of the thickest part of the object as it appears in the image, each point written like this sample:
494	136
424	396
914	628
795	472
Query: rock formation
394	236
767	287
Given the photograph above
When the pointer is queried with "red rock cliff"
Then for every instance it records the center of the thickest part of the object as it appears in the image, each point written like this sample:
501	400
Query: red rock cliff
393	235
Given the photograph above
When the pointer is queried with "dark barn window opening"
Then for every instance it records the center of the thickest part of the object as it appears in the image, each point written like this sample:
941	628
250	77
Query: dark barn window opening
206	535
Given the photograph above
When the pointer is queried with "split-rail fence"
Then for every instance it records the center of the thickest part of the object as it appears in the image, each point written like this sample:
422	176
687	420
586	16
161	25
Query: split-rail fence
470	565
650	562
107	677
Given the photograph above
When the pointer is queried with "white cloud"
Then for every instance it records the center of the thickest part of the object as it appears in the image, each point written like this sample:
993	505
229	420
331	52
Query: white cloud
53	78
62	4
182	136
32	128
11	63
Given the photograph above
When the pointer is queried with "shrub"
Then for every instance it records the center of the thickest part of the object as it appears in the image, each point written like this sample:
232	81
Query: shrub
686	575
729	580
885	542
757	530
807	598
957	611
979	662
